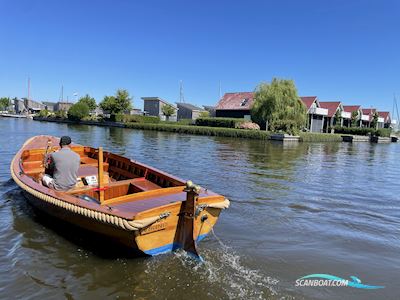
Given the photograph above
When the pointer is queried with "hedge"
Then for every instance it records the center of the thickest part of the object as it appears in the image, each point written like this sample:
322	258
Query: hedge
384	132
134	118
220	122
319	137
203	130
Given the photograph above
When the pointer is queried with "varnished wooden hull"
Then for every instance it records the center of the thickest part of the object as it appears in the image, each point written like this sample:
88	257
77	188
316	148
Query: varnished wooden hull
146	220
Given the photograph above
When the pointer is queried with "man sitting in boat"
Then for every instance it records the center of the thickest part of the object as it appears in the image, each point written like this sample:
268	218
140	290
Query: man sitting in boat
63	165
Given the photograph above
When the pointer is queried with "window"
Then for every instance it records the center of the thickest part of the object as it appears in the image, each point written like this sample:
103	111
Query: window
244	102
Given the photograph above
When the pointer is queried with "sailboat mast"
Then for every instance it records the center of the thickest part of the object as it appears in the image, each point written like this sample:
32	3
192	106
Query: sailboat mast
29	88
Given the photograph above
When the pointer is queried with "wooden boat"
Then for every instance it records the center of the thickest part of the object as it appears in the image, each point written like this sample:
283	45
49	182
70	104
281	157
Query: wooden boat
134	204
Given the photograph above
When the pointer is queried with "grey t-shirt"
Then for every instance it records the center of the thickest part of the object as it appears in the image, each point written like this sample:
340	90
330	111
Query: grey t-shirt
66	164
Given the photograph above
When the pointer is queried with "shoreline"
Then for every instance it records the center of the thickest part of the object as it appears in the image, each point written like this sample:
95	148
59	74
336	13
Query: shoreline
201	130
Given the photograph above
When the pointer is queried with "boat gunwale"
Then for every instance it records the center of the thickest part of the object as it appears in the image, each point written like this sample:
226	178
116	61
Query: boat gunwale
103	208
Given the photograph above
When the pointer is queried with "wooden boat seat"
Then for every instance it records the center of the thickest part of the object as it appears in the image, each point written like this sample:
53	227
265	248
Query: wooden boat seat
144	185
88	160
139	185
81	190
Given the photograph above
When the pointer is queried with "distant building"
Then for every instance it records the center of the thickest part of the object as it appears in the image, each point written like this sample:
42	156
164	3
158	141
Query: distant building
33	106
19	106
350	109
235	105
188	111
134	111
96	112
333	107
384	120
367	116
153	107
315	113
49	105
65	106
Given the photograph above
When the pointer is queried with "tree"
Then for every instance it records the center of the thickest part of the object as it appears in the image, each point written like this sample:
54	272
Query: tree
278	105
108	104
118	103
374	122
338	118
4	103
89	101
78	111
354	118
167	110
204	114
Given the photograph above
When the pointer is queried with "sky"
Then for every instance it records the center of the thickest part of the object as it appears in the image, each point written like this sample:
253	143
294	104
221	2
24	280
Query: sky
336	50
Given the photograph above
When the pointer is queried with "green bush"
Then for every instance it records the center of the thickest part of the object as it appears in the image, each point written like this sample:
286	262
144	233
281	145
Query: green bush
220	122
78	111
133	118
180	122
43	113
383	132
61	114
353	130
319	137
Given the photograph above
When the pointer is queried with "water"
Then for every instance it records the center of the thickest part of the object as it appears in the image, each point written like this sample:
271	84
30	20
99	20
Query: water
296	210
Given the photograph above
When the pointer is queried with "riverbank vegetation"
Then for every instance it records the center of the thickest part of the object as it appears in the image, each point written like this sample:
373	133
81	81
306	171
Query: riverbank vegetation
203	130
278	107
119	103
383	132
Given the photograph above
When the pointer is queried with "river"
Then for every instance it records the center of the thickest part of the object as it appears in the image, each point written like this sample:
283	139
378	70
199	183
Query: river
331	208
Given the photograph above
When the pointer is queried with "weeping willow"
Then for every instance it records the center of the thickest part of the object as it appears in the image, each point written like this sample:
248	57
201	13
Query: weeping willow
278	105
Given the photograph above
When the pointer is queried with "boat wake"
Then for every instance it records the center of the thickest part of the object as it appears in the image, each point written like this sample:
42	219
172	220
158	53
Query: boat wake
221	273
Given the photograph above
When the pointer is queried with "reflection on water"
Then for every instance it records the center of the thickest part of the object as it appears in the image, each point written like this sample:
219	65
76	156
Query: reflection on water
296	210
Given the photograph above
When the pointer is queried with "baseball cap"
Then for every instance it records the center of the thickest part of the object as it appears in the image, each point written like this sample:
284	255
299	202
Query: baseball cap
65	140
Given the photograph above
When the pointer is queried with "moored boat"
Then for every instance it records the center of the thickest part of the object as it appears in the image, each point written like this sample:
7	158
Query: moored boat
134	204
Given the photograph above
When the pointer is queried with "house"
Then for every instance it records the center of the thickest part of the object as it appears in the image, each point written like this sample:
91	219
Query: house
384	117
315	113
188	111
65	106
367	116
153	107
235	105
19	106
345	120
353	109
33	106
333	108
49	105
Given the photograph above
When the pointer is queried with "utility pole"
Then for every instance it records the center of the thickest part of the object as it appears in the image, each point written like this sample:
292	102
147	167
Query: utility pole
181	96
61	99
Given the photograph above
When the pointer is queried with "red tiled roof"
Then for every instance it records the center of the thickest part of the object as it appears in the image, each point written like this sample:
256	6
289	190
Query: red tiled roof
368	111
236	101
308	101
385	115
351	108
331	106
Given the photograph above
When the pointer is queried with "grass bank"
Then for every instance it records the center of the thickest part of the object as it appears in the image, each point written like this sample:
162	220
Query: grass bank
202	130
